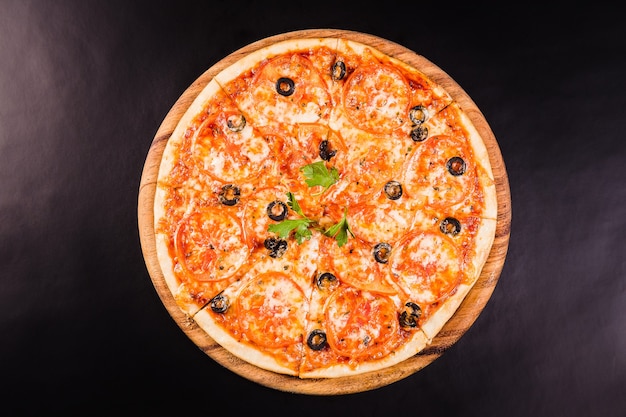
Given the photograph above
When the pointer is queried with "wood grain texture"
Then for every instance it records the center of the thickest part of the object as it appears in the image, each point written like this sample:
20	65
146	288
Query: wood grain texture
464	317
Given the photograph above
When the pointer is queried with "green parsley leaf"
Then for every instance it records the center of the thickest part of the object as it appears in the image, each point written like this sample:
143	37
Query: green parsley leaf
340	230
302	233
299	226
293	203
318	174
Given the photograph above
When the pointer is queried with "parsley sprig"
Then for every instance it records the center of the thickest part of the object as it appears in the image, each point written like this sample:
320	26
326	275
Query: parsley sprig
299	226
340	230
316	174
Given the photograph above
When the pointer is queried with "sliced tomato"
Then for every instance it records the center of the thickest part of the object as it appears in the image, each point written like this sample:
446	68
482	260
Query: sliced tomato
354	264
376	98
427	265
381	219
427	174
377	165
318	141
287	89
360	323
209	244
256	218
227	155
301	146
271	310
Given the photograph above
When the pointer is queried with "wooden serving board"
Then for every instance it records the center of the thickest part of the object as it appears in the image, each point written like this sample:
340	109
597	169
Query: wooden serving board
451	332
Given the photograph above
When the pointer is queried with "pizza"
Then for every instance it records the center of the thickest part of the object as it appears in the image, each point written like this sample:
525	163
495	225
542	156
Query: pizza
322	208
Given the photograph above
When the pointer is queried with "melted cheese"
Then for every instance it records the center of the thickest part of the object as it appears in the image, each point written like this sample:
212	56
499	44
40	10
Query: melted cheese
274	301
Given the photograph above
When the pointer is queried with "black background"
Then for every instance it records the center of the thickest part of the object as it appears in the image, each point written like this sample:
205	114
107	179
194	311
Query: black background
84	86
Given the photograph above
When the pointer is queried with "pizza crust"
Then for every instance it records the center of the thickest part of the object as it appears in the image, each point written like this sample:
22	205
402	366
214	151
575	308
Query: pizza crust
251	60
481	157
243	351
416	344
442	315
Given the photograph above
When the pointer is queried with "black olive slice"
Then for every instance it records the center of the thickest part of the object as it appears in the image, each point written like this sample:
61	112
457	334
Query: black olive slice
316	339
338	71
236	122
393	190
456	166
419	133
285	86
325	150
326	281
450	226
219	303
277	247
410	315
381	252
418	115
277	210
229	196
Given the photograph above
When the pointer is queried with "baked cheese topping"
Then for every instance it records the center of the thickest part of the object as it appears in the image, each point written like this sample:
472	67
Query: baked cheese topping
318	204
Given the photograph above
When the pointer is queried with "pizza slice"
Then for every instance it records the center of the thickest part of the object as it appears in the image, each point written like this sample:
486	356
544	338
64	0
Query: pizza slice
351	331
381	94
448	182
195	217
438	262
449	166
261	317
283	83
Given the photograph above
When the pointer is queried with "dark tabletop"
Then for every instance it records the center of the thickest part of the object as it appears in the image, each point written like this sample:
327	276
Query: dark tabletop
84	86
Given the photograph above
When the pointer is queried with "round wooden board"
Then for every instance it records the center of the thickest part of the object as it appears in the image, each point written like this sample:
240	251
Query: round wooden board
451	332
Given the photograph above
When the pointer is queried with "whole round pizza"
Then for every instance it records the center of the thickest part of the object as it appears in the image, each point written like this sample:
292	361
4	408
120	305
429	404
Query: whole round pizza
322	208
